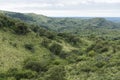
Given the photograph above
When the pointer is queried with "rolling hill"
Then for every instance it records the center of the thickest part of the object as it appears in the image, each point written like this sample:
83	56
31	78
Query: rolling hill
35	47
80	26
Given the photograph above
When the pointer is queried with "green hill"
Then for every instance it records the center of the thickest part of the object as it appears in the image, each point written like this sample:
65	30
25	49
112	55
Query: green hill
33	52
79	26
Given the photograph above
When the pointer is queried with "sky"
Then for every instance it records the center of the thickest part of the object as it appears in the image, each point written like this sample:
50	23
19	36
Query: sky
64	8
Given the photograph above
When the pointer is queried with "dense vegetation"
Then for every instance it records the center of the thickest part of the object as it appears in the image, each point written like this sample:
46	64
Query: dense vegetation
80	26
87	50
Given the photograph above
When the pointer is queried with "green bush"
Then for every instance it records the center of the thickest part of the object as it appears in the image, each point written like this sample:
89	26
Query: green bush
98	47
46	42
100	64
36	65
72	58
21	74
56	73
74	40
25	74
88	67
91	53
63	54
30	47
46	33
3	76
1	25
21	28
56	48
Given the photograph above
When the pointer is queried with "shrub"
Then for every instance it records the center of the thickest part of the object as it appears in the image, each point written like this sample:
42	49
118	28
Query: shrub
27	74
73	40
21	28
98	47
3	76
1	25
36	65
46	33
100	64
30	47
87	67
56	73
63	54
21	74
91	53
72	58
46	42
56	48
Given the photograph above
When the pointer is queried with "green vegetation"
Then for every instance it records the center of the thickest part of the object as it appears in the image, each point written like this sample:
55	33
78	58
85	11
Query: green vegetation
77	50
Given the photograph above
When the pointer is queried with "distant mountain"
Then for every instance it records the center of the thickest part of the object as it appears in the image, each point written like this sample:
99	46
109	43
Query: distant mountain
114	19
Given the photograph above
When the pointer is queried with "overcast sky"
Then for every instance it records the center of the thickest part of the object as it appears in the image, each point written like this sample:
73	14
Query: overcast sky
72	8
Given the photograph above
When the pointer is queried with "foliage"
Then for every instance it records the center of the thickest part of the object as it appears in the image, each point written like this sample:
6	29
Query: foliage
21	28
35	65
30	47
56	48
56	73
46	42
88	50
21	74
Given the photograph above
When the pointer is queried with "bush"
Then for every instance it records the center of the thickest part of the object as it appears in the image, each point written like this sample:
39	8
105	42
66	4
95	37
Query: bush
72	58
100	64
63	54
73	40
56	48
21	28
30	47
3	76
1	25
46	42
98	47
27	74
87	67
46	33
36	65
56	73
21	74
91	53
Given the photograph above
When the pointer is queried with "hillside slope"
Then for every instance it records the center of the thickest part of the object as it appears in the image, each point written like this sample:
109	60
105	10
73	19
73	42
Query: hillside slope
30	52
79	26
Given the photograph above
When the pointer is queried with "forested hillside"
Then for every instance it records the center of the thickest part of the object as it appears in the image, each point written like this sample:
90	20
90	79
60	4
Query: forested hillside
35	47
80	26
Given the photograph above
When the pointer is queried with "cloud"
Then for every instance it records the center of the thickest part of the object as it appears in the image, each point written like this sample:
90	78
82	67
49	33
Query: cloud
57	7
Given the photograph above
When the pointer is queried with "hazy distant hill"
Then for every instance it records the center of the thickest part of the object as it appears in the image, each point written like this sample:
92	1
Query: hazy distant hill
113	19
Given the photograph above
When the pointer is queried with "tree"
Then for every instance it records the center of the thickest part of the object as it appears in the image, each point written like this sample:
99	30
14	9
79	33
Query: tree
21	28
